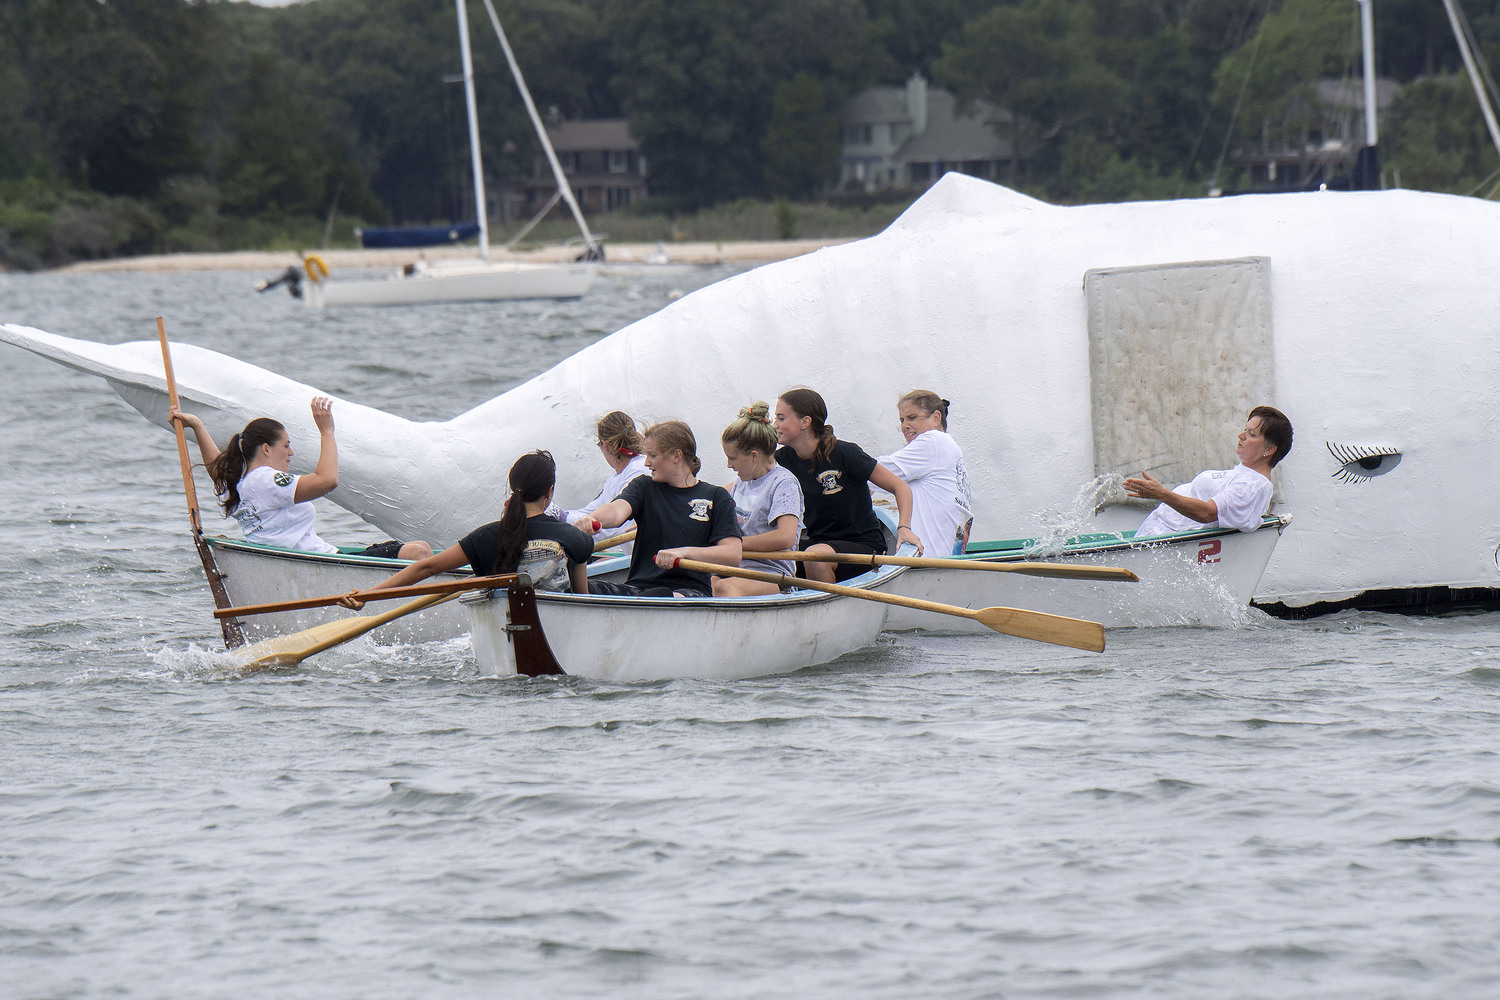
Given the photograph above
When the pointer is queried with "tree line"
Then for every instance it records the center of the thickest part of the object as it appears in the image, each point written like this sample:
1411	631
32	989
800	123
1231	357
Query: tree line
162	125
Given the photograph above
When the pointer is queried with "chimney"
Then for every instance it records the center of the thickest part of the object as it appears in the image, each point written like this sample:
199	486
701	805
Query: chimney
916	102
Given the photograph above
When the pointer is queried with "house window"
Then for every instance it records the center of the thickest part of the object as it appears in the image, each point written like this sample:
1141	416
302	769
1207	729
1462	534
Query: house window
921	172
619	161
569	162
618	197
859	135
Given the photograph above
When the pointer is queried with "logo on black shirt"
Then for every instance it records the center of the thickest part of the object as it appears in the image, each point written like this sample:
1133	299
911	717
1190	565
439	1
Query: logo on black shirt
830	482
700	509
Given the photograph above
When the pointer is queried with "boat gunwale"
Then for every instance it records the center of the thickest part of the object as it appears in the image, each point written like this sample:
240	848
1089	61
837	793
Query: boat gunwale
1020	554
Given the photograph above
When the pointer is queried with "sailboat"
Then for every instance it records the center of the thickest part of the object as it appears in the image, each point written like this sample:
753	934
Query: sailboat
479	279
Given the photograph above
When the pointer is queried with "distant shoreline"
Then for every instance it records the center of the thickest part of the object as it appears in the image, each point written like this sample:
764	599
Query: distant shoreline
748	251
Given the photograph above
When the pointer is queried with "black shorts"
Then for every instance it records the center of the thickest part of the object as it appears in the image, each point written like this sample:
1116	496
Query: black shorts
845	571
607	589
383	550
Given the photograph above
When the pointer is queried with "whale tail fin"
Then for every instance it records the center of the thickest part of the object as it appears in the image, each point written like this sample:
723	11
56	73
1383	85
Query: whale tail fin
226	392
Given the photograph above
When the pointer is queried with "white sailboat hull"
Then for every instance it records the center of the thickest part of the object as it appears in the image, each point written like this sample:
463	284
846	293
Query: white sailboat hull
459	281
1191	578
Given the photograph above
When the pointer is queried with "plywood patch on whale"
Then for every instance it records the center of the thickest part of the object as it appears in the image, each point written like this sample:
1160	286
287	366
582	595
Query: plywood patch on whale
1178	354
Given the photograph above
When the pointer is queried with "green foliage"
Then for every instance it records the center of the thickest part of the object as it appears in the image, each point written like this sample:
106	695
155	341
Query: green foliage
1435	136
786	220
1278	72
801	146
155	125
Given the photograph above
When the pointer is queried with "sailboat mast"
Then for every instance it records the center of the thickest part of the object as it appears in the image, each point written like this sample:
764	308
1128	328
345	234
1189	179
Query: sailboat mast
1461	37
541	132
1367	39
481	206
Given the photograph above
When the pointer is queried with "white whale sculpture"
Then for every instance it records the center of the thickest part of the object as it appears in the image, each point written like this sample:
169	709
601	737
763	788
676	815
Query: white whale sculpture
1073	341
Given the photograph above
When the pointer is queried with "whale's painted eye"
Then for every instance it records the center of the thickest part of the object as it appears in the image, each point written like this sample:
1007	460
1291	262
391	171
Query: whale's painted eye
1362	462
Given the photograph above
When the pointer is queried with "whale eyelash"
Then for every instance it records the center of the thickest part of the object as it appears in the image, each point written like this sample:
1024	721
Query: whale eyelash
1361	463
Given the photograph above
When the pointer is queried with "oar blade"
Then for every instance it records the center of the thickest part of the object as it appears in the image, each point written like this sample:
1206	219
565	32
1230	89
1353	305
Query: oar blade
1073	571
290	650
1056	629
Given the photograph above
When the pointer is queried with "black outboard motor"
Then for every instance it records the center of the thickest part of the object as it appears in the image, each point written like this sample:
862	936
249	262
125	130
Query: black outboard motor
291	277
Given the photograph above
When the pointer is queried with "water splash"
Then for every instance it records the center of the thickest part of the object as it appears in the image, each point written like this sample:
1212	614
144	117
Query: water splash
1073	518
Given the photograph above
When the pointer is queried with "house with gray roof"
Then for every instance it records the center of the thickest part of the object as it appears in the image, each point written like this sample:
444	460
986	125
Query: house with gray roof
601	160
907	137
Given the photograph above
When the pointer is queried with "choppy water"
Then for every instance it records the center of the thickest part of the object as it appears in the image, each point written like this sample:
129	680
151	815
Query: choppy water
1267	810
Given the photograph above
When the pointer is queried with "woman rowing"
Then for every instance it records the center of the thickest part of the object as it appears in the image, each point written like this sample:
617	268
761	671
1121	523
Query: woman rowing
932	464
767	500
677	516
526	539
835	475
620	444
1230	498
252	477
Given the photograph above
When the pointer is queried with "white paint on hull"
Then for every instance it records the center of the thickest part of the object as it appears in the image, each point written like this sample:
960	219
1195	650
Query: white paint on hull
458	281
659	638
1198	578
1384	325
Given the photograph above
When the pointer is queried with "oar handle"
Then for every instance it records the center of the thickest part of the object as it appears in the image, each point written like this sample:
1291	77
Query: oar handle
390	593
613	540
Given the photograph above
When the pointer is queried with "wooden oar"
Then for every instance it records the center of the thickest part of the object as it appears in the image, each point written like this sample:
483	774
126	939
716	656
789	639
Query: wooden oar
233	636
390	593
1064	571
290	650
609	543
1018	622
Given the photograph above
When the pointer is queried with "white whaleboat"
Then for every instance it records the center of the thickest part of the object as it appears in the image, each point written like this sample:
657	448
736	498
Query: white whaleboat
1187	578
661	638
479	279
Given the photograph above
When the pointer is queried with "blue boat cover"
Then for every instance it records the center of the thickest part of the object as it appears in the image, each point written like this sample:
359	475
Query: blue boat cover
417	236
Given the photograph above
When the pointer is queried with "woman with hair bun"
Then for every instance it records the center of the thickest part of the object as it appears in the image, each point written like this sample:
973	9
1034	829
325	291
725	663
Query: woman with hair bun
835	475
620	444
677	516
553	554
932	464
252	477
767	500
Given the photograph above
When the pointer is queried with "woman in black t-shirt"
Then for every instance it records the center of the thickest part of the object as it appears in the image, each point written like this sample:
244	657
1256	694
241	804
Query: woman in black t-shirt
676	516
835	493
523	538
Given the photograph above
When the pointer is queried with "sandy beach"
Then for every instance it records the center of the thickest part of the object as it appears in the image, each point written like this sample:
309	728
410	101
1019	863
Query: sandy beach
762	251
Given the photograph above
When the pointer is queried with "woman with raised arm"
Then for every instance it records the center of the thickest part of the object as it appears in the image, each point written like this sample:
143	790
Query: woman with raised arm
932	464
677	516
835	477
252	477
767	500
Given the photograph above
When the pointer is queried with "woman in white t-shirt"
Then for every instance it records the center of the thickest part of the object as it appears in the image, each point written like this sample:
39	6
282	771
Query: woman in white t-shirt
1231	498
620	443
767	501
252	478
932	464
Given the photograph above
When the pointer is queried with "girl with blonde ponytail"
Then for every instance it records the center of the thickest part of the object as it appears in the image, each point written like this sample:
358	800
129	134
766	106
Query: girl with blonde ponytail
767	500
677	516
836	477
620	444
